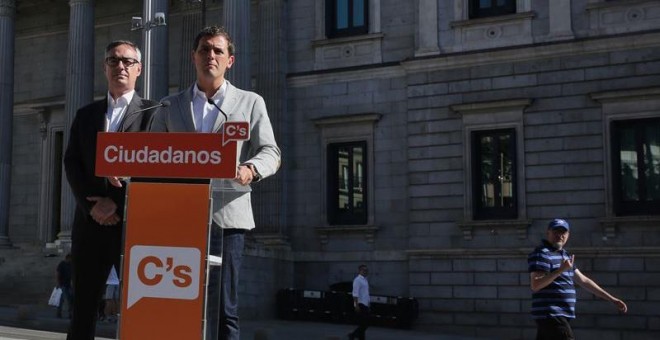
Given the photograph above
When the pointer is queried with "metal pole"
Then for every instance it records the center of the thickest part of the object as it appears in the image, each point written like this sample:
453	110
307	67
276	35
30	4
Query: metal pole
154	45
146	46
203	13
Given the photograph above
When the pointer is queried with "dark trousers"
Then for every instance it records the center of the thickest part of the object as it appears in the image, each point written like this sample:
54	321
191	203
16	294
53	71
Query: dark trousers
67	296
363	322
94	250
556	328
222	309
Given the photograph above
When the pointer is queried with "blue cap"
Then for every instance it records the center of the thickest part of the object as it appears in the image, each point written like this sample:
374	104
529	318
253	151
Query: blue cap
559	223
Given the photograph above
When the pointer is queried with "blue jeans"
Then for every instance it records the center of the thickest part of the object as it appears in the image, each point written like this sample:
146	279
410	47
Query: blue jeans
222	309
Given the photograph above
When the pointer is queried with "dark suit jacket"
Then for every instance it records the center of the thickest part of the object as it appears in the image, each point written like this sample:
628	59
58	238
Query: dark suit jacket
80	155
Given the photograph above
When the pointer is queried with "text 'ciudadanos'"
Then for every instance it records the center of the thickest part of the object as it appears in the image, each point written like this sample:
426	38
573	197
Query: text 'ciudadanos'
169	155
117	154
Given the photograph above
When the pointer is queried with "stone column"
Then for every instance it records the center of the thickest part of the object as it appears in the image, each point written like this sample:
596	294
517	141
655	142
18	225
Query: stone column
560	20
427	28
192	21
155	52
79	89
270	74
7	23
374	16
236	19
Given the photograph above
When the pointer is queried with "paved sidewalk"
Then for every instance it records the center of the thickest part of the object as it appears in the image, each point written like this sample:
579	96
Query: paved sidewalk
29	323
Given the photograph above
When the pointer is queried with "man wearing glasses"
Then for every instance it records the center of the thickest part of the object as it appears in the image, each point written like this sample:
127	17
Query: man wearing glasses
97	225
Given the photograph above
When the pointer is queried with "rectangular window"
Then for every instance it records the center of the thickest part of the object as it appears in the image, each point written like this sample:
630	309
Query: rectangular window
346	18
347	192
636	166
489	8
494	174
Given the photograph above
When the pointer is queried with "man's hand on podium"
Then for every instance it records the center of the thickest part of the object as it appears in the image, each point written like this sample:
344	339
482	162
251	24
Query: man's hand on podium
115	181
104	211
244	174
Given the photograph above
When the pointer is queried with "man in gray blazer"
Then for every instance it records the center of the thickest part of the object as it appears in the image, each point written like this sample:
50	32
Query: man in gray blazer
202	108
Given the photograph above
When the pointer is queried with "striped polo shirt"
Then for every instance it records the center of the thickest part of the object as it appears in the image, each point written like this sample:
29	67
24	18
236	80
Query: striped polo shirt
558	298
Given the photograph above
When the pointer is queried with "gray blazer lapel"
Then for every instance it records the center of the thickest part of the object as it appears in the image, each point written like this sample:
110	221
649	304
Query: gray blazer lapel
185	109
228	107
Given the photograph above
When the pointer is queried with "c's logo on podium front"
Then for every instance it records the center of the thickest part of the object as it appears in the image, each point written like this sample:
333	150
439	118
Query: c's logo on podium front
163	272
181	272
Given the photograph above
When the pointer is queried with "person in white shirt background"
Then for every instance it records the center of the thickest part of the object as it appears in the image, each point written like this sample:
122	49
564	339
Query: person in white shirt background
361	300
112	296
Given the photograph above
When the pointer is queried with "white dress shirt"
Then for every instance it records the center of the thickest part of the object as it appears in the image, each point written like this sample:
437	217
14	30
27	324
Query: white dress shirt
205	114
361	290
113	279
117	110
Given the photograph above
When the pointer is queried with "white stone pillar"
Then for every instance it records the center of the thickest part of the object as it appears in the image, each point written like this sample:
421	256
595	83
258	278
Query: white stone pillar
236	19
7	43
560	20
427	28
374	16
270	74
79	89
192	21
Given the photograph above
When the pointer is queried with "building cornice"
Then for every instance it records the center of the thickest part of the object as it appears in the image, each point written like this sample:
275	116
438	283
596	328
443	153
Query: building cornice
516	104
468	253
628	94
345	75
595	251
75	2
533	52
348	119
620	42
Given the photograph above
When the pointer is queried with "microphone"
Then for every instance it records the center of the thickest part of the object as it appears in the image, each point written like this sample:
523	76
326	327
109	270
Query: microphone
164	103
210	101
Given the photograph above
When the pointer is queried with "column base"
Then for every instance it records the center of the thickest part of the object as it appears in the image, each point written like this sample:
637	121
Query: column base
4	242
64	241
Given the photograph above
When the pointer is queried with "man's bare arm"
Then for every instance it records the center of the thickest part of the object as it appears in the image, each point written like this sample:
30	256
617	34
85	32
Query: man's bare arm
589	284
539	280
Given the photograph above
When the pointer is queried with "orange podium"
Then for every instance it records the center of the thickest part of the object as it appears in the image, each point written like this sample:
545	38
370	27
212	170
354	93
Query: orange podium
165	261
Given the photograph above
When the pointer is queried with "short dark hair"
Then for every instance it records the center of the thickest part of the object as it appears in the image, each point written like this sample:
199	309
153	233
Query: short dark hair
362	266
123	42
212	31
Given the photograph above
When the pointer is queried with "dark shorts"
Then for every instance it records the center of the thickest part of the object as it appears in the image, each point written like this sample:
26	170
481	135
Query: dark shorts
555	328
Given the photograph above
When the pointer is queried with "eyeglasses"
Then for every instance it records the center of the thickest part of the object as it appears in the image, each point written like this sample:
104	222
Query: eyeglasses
114	61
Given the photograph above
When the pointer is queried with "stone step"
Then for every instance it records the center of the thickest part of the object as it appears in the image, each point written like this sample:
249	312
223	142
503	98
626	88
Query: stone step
27	274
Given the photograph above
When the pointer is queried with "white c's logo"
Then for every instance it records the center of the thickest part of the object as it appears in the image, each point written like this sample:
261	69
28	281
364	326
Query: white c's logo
163	272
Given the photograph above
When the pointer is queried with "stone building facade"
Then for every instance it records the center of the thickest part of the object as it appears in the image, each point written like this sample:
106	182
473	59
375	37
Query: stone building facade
431	140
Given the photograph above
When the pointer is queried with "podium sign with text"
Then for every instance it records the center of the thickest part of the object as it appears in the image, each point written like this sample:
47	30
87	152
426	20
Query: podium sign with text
166	226
168	155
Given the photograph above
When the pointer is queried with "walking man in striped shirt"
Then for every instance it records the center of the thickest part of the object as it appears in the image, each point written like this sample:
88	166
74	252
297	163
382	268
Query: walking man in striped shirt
552	278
